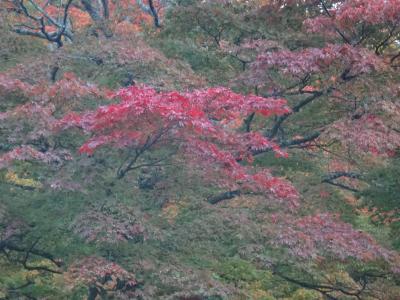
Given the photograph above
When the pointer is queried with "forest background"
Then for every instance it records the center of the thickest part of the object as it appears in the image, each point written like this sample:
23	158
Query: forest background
182	149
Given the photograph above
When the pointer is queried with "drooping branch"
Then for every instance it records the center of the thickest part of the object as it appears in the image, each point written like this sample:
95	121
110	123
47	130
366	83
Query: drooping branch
335	175
7	246
291	143
324	289
329	178
223	196
329	290
301	141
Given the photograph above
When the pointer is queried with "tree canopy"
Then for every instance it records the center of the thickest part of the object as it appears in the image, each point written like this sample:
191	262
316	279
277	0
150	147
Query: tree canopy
227	149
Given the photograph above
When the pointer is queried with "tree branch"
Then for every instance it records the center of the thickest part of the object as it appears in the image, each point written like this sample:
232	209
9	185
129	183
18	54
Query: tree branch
274	130
329	178
223	196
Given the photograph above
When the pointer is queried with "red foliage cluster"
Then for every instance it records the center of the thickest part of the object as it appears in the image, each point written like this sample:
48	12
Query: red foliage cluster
130	16
317	60
25	153
9	84
311	237
44	101
69	87
369	134
97	271
349	14
198	124
108	224
80	18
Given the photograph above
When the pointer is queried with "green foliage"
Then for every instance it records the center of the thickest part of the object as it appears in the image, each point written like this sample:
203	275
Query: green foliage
382	194
384	186
303	294
236	270
213	66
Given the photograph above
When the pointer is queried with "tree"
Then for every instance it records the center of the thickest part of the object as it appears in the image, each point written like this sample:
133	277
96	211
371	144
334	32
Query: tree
101	277
199	125
18	249
27	126
109	224
353	49
40	22
56	22
203	127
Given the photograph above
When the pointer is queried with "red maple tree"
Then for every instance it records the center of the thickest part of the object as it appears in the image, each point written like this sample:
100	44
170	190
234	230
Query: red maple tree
200	125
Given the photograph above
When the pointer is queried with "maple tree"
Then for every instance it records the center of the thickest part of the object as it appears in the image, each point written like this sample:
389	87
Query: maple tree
58	22
196	124
45	102
109	224
43	20
101	276
324	232
19	249
348	48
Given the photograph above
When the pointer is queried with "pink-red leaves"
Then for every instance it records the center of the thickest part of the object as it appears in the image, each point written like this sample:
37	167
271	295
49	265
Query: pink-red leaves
29	153
197	124
98	271
369	134
325	234
352	13
317	60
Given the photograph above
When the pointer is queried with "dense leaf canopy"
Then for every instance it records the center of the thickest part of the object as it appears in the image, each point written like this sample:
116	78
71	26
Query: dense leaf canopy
160	149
